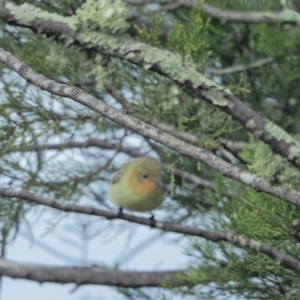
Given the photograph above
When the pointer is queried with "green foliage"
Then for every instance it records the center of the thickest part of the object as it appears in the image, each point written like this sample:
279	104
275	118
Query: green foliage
29	119
262	218
233	44
97	15
11	215
153	36
273	167
160	98
190	39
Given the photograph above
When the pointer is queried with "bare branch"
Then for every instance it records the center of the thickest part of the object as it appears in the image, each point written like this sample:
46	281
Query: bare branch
185	136
198	181
187	3
240	68
148	131
98	169
186	75
89	275
214	236
234	154
144	2
285	16
103	144
296	5
235	146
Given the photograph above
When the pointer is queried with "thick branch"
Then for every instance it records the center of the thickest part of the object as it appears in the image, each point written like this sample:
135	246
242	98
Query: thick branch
284	16
174	67
88	275
214	236
52	29
147	130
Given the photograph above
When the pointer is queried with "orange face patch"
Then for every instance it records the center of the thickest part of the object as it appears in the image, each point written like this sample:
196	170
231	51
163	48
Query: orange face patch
140	188
145	188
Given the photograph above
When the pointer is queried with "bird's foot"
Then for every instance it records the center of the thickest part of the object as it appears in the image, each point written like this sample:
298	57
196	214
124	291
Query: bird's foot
152	221
120	212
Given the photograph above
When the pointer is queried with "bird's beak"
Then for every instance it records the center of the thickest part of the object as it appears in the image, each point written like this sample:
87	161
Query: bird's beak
160	184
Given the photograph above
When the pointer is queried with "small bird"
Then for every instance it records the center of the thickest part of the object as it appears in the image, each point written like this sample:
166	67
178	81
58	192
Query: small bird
137	185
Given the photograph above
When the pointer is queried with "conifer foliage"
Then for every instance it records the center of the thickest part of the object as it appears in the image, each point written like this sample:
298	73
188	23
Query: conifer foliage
210	88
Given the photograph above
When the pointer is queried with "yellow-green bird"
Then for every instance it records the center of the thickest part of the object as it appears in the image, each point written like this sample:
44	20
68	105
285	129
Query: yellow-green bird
137	185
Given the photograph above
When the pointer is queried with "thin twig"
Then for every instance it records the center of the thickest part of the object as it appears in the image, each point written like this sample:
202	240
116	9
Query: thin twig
284	16
240	68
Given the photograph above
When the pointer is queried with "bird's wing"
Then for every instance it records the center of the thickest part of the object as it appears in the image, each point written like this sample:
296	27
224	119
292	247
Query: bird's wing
119	173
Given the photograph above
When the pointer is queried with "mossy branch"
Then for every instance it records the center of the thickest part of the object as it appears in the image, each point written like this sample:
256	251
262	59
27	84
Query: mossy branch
163	62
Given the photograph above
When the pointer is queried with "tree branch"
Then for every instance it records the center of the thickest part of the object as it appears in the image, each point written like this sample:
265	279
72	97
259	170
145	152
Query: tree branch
103	144
89	275
198	181
214	236
240	68
173	67
144	2
191	138
147	130
296	4
284	16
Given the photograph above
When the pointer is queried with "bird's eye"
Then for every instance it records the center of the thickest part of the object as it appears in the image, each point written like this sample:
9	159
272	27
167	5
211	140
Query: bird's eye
145	175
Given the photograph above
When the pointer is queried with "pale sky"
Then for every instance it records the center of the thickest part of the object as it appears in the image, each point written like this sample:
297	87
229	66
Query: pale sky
109	246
